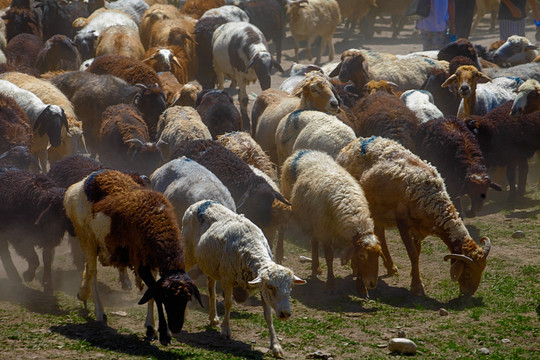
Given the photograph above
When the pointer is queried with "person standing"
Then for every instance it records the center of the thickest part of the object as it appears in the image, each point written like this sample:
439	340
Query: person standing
464	12
434	27
512	17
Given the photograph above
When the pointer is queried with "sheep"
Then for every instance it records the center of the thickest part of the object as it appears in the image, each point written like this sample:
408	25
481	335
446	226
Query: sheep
15	135
309	19
134	8
247	149
196	8
480	99
72	141
240	51
403	190
307	129
446	99
91	94
448	145
185	182
229	248
422	103
176	93
296	75
47	121
316	185
156	13
124	141
22	20
353	67
57	16
523	71
177	124
383	114
22	51
516	50
528	98
508	141
218	112
353	11
460	47
58	53
169	58
131	70
397	11
204	30
119	40
32	215
253	195
105	207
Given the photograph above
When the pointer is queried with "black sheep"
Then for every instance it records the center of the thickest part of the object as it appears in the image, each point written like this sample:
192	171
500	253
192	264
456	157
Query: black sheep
218	112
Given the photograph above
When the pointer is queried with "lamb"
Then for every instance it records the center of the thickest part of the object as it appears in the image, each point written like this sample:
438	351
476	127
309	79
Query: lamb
317	185
72	141
124	141
46	120
308	129
177	124
58	53
185	182
32	215
422	103
309	19
404	191
383	114
114	204
528	98
204	30
119	40
448	145
480	99
240	51
229	248
218	112
516	50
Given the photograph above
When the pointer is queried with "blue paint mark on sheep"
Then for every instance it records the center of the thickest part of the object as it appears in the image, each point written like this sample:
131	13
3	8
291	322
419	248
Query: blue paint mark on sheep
202	209
293	118
89	181
299	155
429	61
364	144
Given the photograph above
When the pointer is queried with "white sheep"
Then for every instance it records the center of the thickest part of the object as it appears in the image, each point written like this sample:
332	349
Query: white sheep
516	50
296	75
330	207
46	120
309	129
422	104
404	191
230	249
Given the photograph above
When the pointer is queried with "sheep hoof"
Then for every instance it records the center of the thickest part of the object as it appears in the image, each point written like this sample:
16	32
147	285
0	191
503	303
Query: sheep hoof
392	271
151	334
277	351
225	332
29	275
164	338
418	290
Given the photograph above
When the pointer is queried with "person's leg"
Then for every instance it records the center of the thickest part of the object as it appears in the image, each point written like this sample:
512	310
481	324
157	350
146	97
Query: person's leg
464	14
507	28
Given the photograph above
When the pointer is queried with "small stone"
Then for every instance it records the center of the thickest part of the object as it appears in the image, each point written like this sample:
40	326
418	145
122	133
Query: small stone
304	259
401	334
393	330
119	313
483	351
319	355
443	312
381	346
506	341
402	346
518	235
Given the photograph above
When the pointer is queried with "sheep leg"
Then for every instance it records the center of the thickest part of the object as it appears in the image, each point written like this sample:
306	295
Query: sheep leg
27	251
511	177
308	50
329	257
10	268
48	256
279	247
523	169
243	98
220	77
76	252
296	49
123	278
149	322
276	348
315	269
212	313
225	327
417	288
391	268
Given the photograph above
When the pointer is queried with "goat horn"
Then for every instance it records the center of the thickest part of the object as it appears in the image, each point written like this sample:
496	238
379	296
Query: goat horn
464	258
150	58
393	84
4	155
138	141
142	86
175	60
487	245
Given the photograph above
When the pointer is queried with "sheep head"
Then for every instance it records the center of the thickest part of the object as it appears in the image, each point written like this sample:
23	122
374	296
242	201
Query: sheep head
352	67
381	86
477	185
466	77
528	98
51	122
467	268
317	93
173	290
516	50
262	63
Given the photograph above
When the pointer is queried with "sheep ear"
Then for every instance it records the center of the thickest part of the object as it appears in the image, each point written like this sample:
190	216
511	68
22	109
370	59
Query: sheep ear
277	66
298	281
336	71
481	75
452	79
148	295
280	197
251	62
256	281
531	47
456	269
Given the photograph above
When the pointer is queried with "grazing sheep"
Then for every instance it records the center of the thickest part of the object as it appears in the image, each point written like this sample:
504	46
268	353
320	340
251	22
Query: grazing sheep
383	114
516	50
309	19
479	99
177	124
315	130
204	30
528	98
422	103
124	141
317	185
218	112
240	51
32	215
448	145
46	120
72	141
119	40
185	182
230	249
106	206
15	135
404	191
58	53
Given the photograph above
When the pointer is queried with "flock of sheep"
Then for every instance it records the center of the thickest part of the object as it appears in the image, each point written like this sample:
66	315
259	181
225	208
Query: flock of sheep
187	178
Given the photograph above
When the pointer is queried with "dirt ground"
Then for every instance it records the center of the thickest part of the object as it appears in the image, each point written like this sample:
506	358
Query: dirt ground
19	304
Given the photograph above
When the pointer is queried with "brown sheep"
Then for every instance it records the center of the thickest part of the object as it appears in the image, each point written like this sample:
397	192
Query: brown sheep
58	53
120	40
196	8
